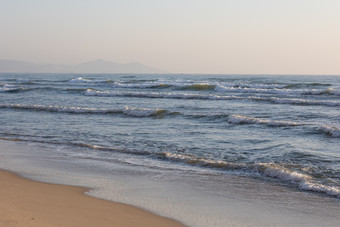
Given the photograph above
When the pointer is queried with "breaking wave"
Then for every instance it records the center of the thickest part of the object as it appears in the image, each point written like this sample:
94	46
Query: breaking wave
292	101
242	119
7	88
303	181
272	170
330	130
277	91
305	101
83	80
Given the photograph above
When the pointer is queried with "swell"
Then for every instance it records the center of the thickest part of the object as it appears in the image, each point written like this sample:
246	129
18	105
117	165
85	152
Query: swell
129	111
199	87
92	92
168	95
33	89
237	119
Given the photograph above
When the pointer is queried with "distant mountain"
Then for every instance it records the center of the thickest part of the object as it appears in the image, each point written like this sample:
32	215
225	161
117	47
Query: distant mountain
97	66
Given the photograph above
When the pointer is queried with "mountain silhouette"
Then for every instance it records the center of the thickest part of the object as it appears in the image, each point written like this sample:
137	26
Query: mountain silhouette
97	66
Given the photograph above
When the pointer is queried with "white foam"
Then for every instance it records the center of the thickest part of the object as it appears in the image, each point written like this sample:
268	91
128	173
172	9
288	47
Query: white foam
329	190
305	101
276	171
330	130
272	170
194	160
297	101
242	119
278	91
82	80
303	181
9	87
333	131
136	85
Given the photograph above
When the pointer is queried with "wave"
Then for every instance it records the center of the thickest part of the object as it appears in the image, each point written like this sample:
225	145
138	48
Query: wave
277	91
7	88
300	85
200	87
83	80
292	101
146	112
92	92
305	101
10	90
178	84
129	111
242	119
143	85
23	89
330	130
304	181
143	112
272	170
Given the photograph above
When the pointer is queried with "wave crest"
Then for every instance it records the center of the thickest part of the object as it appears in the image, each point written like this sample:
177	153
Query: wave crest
330	130
129	111
272	170
242	119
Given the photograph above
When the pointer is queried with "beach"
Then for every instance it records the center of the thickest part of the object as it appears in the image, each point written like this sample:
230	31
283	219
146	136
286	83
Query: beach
28	203
205	150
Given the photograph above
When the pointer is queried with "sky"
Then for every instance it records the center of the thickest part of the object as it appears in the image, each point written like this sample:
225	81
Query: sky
179	36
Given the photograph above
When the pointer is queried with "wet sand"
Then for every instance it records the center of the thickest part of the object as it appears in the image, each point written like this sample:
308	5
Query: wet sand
28	203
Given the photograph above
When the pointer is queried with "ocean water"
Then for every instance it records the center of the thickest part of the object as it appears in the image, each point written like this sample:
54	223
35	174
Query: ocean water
279	130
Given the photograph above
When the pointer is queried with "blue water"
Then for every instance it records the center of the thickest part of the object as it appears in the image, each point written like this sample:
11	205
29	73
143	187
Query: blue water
276	129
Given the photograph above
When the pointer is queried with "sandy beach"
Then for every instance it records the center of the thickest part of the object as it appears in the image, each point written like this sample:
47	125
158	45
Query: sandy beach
29	203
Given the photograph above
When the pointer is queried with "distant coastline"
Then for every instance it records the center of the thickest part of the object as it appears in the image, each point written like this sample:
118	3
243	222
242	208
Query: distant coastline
97	66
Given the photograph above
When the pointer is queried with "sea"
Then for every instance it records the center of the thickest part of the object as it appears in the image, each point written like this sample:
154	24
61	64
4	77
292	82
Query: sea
207	150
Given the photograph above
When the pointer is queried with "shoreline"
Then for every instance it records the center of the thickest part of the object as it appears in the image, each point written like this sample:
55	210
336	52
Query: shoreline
190	198
26	202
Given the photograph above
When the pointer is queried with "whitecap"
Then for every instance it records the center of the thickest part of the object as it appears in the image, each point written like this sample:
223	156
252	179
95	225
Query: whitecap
330	130
242	119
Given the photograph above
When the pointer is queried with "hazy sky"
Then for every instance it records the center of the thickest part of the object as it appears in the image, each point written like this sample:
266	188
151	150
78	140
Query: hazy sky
189	36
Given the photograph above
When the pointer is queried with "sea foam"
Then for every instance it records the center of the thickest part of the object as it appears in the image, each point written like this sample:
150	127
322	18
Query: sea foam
271	170
242	119
330	130
277	91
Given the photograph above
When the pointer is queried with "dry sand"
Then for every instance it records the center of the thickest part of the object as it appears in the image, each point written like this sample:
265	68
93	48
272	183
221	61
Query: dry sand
28	203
